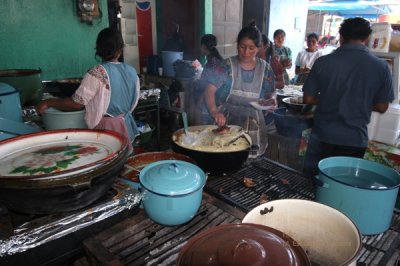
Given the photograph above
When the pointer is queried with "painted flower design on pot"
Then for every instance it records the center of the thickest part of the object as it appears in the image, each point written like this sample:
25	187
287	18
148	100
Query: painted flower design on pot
52	159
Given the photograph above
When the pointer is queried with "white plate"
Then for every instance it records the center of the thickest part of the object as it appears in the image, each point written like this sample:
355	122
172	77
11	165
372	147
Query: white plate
290	90
261	107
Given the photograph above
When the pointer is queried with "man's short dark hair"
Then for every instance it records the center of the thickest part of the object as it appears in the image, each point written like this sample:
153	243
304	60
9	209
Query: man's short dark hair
355	29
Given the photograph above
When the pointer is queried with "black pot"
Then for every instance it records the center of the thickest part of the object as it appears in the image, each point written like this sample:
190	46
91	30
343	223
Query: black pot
214	163
36	196
62	87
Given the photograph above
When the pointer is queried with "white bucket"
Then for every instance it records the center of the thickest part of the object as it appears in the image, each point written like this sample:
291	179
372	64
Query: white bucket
380	37
56	119
168	60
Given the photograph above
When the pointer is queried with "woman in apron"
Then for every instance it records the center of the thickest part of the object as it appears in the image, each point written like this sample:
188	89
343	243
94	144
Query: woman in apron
109	91
246	79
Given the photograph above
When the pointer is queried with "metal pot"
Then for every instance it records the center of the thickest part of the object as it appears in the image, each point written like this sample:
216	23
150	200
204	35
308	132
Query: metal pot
26	81
328	236
213	162
365	191
136	163
62	87
172	191
296	106
56	119
242	244
54	196
59	170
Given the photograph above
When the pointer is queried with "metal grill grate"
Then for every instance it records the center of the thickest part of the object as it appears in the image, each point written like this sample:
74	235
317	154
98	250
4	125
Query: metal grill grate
382	249
279	182
273	181
140	241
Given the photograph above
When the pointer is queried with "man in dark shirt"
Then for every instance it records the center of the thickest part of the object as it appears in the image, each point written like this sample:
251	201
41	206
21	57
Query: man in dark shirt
346	86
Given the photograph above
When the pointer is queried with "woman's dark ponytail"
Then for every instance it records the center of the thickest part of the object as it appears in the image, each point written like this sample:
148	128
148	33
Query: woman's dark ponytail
210	42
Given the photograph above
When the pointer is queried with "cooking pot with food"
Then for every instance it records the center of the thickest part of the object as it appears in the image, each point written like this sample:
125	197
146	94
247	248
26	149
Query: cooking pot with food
134	164
63	87
215	152
172	191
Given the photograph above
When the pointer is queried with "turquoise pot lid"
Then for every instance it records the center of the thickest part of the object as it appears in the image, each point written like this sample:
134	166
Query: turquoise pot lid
172	177
6	89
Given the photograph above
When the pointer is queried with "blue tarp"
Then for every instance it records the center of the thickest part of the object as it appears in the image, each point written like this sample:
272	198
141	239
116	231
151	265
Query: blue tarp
351	8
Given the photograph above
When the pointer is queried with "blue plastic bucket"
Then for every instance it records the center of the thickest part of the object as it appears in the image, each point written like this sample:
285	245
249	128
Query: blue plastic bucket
168	59
289	125
365	191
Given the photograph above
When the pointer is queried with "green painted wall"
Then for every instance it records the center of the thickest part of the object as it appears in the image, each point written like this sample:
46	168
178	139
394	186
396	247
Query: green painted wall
48	34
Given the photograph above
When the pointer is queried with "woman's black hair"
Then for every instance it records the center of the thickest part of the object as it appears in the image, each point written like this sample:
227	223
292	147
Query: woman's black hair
267	42
108	42
251	32
210	42
312	35
279	31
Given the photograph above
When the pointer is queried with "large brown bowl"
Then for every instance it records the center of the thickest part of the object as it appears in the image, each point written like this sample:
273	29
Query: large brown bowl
136	163
242	244
296	106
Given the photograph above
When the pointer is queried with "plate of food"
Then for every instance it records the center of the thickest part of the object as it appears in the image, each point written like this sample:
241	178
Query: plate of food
263	106
290	90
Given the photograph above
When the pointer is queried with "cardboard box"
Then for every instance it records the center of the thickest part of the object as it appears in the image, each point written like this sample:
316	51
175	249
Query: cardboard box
387	136
390	120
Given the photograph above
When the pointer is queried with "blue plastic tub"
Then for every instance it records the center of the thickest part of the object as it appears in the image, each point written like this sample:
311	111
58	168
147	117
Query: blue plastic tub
168	60
365	191
289	125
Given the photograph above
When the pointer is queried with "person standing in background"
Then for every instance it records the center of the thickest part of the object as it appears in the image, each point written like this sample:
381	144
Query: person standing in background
305	59
212	67
346	85
109	91
266	52
284	53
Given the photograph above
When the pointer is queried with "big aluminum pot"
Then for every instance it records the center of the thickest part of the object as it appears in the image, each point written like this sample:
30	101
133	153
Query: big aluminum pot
328	236
26	81
172	191
365	191
213	162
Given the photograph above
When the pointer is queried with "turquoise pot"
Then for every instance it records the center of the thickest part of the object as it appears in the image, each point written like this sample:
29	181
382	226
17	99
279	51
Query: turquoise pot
171	191
365	191
10	103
